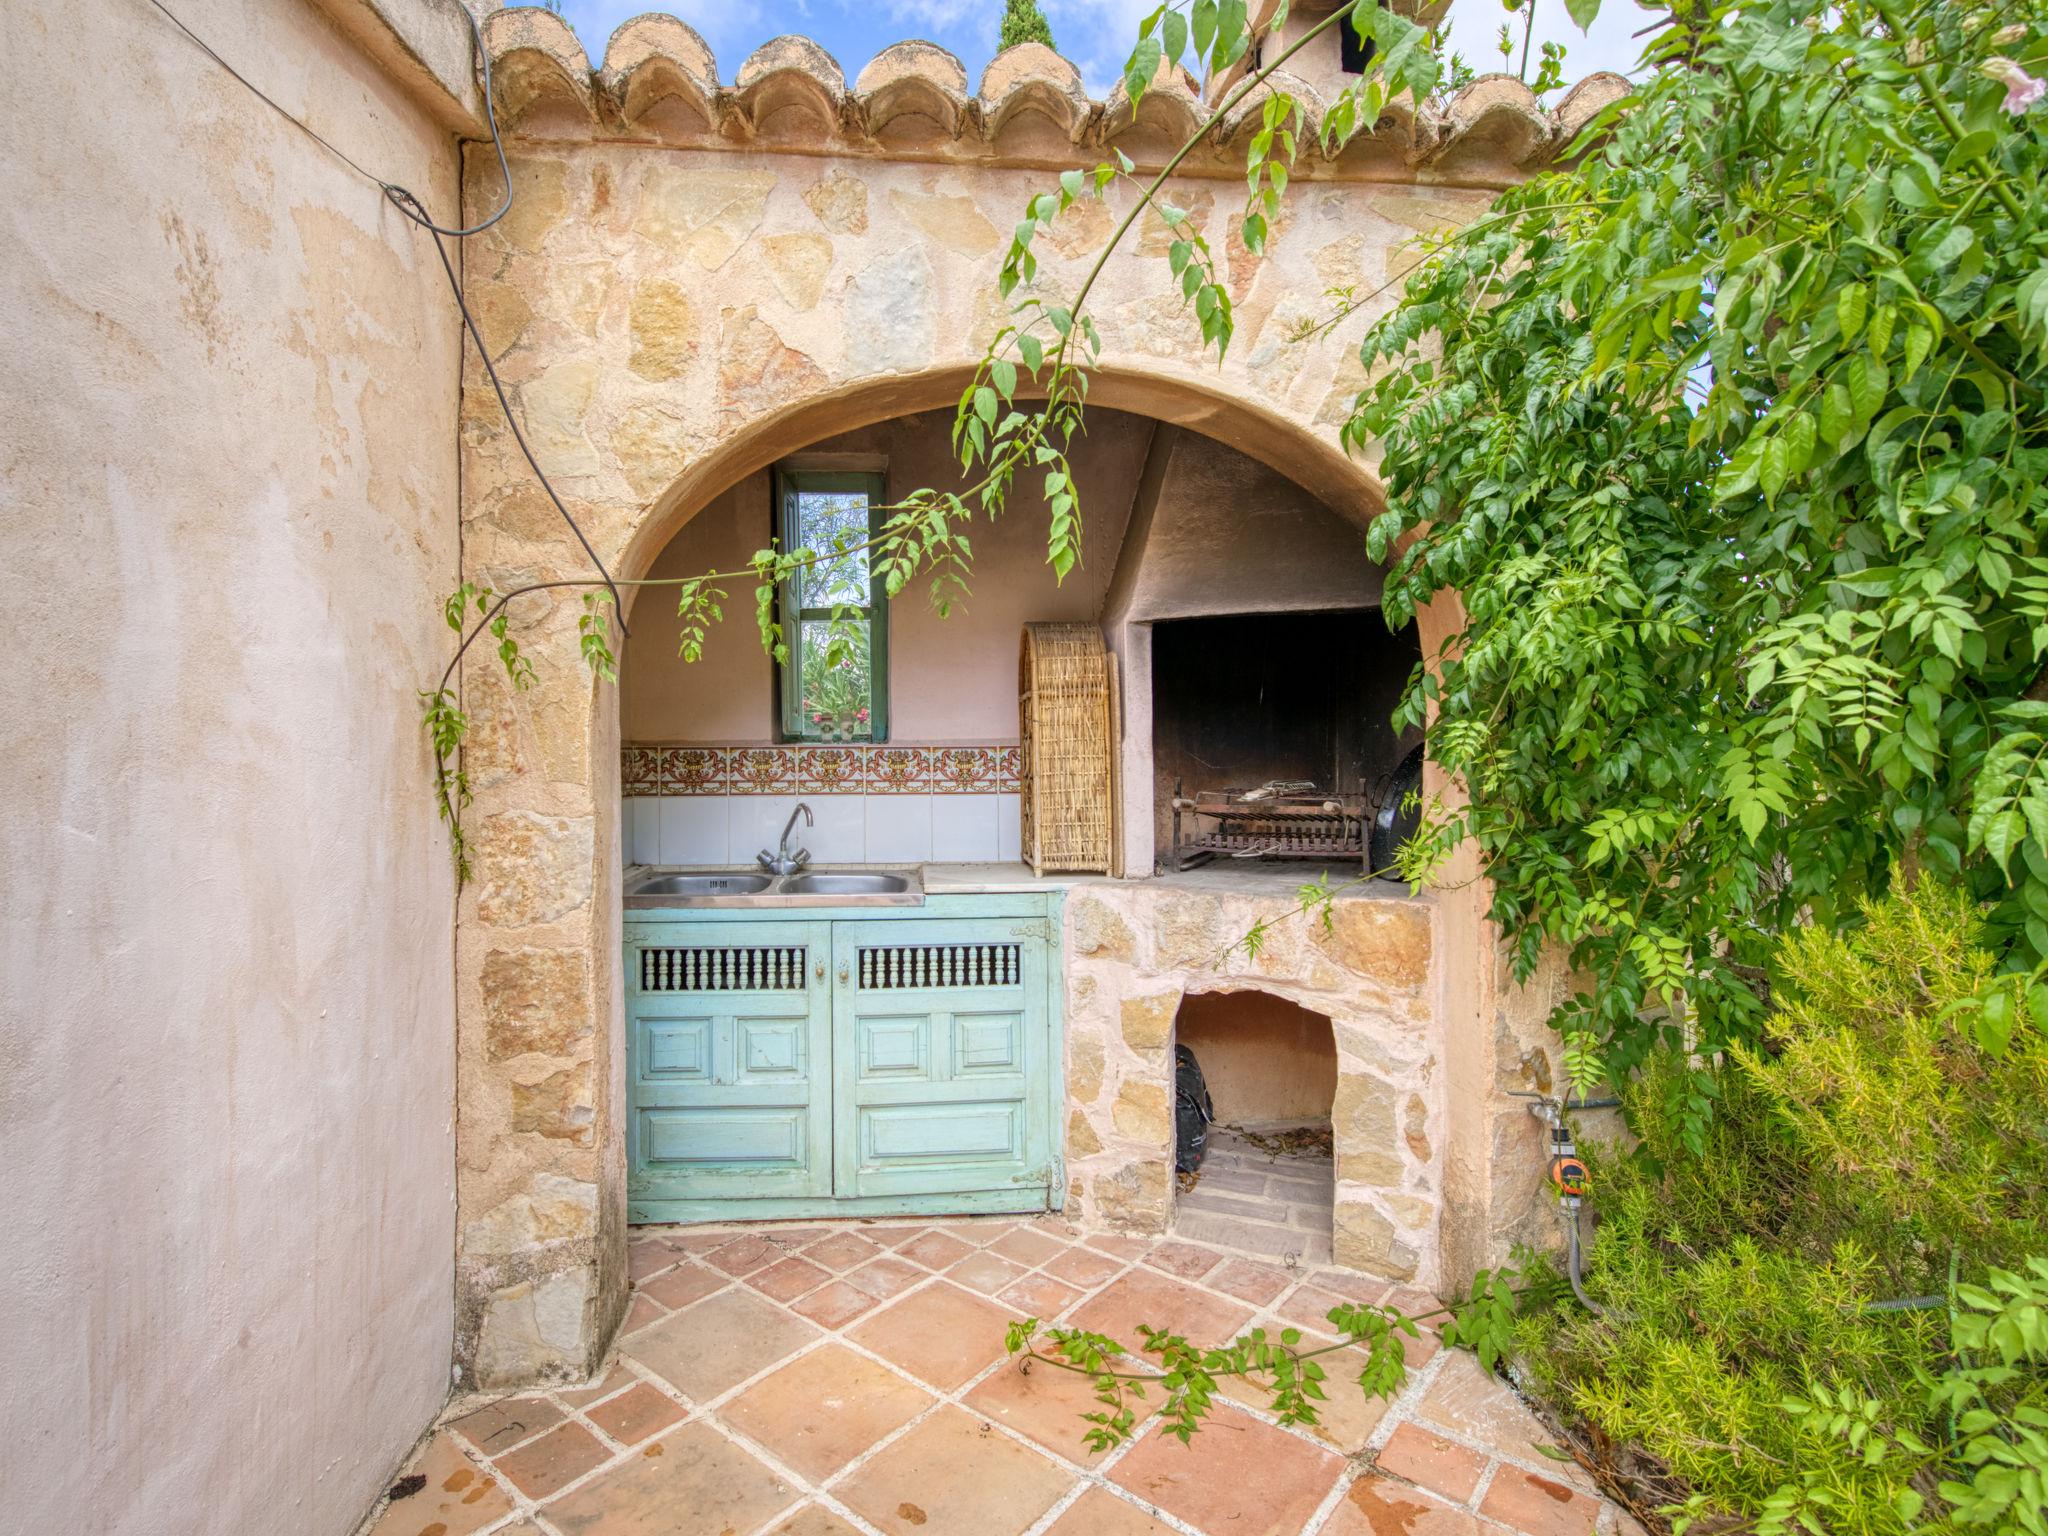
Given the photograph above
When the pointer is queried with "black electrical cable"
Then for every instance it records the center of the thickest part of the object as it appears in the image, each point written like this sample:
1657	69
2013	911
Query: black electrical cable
519	437
415	211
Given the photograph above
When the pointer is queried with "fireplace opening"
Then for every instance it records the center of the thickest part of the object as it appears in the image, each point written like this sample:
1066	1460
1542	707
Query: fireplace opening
1294	709
1267	1183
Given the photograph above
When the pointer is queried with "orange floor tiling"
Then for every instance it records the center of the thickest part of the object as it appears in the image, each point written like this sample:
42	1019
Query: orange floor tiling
850	1379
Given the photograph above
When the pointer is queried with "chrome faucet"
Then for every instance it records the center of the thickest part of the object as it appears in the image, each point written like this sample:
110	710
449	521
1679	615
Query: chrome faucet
782	861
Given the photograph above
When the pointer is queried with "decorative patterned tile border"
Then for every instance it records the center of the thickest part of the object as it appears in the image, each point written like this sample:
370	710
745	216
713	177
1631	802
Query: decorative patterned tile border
898	771
821	769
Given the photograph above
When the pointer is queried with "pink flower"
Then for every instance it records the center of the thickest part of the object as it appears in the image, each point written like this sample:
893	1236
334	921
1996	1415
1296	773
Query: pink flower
2022	90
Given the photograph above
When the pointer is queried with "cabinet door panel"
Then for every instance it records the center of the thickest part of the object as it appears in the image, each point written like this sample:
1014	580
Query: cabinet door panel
938	1087
729	1060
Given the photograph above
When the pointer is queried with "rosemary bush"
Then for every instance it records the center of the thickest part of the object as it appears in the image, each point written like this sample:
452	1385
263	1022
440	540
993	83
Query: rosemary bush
1871	1150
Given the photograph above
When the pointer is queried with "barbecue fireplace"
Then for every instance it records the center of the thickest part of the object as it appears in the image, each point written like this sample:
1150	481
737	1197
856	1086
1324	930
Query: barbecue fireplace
1272	734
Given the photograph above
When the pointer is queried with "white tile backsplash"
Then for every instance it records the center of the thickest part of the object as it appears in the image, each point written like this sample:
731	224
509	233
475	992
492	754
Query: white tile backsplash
1009	826
963	828
642	841
720	829
899	829
839	835
694	829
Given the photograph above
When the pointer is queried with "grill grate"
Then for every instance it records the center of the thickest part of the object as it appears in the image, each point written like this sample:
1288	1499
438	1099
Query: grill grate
754	968
904	968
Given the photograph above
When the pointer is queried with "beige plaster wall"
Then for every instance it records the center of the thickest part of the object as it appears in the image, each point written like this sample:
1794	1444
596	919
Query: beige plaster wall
227	513
952	678
1264	1058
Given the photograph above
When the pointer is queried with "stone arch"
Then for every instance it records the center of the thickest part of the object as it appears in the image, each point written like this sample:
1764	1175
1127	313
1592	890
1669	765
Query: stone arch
669	319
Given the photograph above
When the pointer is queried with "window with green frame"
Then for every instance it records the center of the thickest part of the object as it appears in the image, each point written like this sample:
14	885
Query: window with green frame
834	680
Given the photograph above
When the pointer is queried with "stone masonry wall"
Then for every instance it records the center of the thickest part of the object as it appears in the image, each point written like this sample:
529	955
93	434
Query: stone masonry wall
699	276
1135	949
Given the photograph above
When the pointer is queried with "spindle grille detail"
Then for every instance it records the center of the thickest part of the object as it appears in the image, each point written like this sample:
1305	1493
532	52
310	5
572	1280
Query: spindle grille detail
908	967
752	968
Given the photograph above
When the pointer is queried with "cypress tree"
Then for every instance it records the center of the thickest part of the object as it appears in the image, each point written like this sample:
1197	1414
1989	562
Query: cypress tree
1023	22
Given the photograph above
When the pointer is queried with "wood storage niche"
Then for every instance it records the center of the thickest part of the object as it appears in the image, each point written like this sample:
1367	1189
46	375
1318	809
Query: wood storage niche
1067	707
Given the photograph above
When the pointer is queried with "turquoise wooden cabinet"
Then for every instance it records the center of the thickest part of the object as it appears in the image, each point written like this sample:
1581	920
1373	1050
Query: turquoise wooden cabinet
844	1062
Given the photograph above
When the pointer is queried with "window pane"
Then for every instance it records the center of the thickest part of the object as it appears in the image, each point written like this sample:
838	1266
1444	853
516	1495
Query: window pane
829	522
838	696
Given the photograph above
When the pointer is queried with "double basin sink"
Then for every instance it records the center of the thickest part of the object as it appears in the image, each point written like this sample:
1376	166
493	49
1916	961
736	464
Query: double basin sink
752	888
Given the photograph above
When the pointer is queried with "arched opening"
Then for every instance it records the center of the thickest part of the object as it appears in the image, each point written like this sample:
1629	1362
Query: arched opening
1267	1179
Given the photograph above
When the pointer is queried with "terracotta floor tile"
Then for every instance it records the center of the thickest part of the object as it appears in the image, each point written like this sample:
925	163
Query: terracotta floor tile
1160	1301
979	1233
984	1272
497	1428
1374	1506
695	1242
1417	1304
1347	1416
1038	1295
648	1258
834	1305
1477	1404
1430	1461
815	1520
935	1250
954	1476
789	1279
885	1277
1099	1512
1249	1280
842	1250
632	1416
1084	1267
640	1314
540	1467
889	1237
1240	1477
825	1408
616	1379
1309	1307
456	1497
1121	1245
1045	1404
719	1343
1353	1286
1184	1259
1026	1247
941	1334
683	1284
1538	1506
693	1480
793	1238
744	1255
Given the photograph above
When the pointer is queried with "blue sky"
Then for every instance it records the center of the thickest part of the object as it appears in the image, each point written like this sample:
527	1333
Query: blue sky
1095	34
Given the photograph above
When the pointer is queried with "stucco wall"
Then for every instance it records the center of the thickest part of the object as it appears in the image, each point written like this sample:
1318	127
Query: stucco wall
227	514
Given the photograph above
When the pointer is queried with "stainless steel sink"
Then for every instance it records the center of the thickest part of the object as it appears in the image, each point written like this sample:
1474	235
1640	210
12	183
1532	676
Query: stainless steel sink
843	885
659	889
701	885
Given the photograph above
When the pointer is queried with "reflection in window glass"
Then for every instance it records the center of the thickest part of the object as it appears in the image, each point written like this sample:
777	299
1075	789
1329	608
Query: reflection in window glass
838	692
833	683
834	524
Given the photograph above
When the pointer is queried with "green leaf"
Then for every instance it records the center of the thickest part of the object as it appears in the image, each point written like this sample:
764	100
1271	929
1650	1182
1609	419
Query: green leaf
1173	34
1582	12
1851	305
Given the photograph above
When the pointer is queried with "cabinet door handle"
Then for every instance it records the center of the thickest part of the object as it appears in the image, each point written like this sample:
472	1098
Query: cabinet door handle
821	970
843	970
